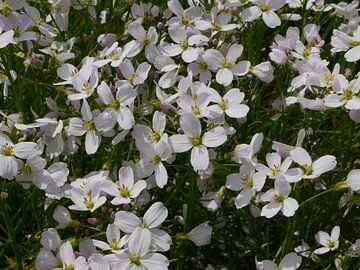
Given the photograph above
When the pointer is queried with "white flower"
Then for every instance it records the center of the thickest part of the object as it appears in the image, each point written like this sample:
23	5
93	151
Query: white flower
138	255
115	242
353	180
143	39
329	242
151	161
290	262
144	134
192	139
247	181
226	67
201	234
9	153
248	151
279	200
266	9
310	169
63	217
345	93
183	17
67	258
125	189
88	126
86	200
117	108
230	104
188	47
153	218
134	77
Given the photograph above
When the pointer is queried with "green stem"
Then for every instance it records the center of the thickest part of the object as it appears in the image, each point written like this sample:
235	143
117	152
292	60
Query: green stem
318	195
10	232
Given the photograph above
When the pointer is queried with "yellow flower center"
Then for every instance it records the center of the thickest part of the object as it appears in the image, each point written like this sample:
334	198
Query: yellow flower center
249	181
196	141
89	125
264	7
135	259
27	168
124	192
348	94
279	198
308	169
7	150
89	204
115	244
185	20
115	105
203	65
228	65
224	104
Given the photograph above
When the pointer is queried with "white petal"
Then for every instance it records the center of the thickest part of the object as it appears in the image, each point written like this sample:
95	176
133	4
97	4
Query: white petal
214	137
224	76
190	55
289	207
161	240
234	52
125	118
161	175
244	198
353	54
92	141
26	150
155	215
237	111
126	221
271	19
213	58
126	177
180	143
104	93
139	242
301	156
190	124
291	261
324	164
137	31
241	68
270	209
199	157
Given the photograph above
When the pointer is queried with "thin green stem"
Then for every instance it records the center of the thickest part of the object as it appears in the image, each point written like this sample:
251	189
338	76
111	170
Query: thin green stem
10	232
318	195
